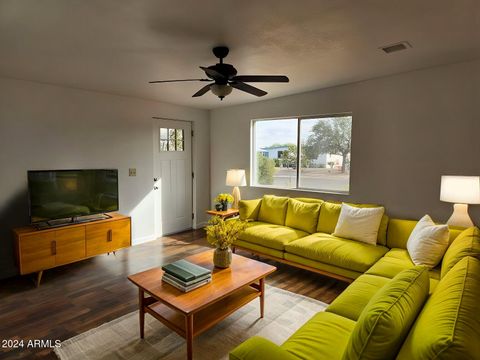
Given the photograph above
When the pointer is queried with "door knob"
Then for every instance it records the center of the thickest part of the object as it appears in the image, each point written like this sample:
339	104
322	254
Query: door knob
155	179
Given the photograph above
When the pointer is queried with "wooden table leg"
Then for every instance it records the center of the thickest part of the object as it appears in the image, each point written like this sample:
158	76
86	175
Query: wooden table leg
262	296
141	312
189	335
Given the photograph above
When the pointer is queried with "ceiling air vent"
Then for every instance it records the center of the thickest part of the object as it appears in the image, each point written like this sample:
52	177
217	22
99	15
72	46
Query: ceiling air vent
404	45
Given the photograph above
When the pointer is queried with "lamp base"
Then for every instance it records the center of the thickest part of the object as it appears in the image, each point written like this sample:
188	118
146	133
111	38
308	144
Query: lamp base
236	197
460	216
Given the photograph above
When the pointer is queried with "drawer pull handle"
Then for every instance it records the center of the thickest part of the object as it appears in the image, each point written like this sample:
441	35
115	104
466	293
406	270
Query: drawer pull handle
54	247
109	236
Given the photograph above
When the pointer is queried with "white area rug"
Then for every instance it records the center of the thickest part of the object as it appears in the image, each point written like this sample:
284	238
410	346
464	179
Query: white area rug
285	312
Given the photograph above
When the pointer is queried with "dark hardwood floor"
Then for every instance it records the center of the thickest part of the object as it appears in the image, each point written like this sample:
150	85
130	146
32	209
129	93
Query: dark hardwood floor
75	298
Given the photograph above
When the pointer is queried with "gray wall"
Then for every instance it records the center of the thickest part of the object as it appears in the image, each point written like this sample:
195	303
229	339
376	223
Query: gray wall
52	127
408	130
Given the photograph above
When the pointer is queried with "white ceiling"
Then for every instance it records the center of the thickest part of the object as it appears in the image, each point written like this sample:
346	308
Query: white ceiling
117	46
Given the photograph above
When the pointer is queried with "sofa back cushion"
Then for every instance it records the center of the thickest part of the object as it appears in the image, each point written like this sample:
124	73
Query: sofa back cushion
249	209
465	244
449	325
399	231
328	218
330	212
302	215
273	209
388	316
310	200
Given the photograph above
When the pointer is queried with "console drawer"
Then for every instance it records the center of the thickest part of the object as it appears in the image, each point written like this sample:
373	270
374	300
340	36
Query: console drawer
70	245
107	237
37	252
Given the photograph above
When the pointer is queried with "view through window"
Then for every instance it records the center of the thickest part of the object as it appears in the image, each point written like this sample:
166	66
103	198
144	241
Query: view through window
303	153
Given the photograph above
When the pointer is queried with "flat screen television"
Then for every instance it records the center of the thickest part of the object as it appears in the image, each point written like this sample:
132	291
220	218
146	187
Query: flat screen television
63	194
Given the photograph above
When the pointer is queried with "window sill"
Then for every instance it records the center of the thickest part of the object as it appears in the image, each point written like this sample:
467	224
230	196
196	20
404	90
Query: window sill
344	193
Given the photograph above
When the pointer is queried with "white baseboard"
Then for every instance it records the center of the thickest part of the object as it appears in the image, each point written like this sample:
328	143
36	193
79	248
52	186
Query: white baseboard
143	239
201	225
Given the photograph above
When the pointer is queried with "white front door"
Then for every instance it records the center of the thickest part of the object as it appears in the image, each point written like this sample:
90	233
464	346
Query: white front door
172	176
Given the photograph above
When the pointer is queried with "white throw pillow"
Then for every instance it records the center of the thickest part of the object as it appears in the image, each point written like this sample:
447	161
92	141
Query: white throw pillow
428	242
359	224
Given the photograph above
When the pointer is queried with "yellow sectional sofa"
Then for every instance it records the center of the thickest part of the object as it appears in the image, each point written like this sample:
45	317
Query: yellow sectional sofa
391	310
299	232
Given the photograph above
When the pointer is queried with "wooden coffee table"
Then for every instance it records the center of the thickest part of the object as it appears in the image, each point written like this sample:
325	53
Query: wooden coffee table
189	314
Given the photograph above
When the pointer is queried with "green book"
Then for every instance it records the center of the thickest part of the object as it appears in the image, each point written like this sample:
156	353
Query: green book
185	270
186	283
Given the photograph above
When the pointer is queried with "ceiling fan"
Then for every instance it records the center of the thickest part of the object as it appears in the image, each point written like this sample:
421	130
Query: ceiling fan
224	78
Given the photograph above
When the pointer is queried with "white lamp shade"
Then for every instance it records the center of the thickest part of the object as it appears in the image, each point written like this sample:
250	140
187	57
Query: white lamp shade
460	189
236	177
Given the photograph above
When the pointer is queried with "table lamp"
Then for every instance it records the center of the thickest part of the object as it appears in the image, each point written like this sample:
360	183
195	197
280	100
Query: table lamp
236	178
460	190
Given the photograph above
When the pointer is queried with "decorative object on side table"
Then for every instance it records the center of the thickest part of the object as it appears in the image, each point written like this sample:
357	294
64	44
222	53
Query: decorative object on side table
461	191
224	200
222	234
236	178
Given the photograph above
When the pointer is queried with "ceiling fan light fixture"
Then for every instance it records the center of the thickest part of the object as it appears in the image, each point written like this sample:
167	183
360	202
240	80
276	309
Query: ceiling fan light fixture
221	90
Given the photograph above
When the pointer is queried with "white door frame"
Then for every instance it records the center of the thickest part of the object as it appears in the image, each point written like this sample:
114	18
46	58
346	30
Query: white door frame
155	126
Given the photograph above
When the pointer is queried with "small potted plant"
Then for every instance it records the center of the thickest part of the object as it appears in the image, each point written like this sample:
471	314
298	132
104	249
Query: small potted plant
224	200
221	234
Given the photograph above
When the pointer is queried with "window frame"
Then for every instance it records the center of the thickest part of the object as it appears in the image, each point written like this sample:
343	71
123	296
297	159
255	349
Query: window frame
253	153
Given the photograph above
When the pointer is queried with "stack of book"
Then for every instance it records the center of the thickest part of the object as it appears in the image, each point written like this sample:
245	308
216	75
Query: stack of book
186	276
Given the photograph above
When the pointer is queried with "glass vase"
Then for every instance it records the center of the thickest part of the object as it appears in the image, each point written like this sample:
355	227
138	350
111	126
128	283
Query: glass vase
222	258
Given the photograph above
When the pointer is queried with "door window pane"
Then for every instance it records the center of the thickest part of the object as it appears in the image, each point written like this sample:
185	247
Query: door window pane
163	134
163	145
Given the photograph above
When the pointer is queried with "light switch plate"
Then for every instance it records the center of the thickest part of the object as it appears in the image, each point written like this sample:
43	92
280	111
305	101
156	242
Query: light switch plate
132	172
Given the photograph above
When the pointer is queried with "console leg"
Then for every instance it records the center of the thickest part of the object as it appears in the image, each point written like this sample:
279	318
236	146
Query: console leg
39	278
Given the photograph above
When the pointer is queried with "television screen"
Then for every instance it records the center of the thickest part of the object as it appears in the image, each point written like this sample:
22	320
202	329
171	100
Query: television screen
58	194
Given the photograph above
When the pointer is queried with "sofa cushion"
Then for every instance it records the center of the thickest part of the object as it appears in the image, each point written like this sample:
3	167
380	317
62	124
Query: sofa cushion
259	248
466	244
249	209
389	266
328	218
273	209
399	231
258	348
356	296
270	235
386	320
428	242
302	216
359	224
449	325
330	212
404	257
324	268
329	249
324	336
310	200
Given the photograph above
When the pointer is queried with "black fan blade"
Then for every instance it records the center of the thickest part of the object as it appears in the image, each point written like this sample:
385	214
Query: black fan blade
248	88
202	91
261	78
167	81
214	74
